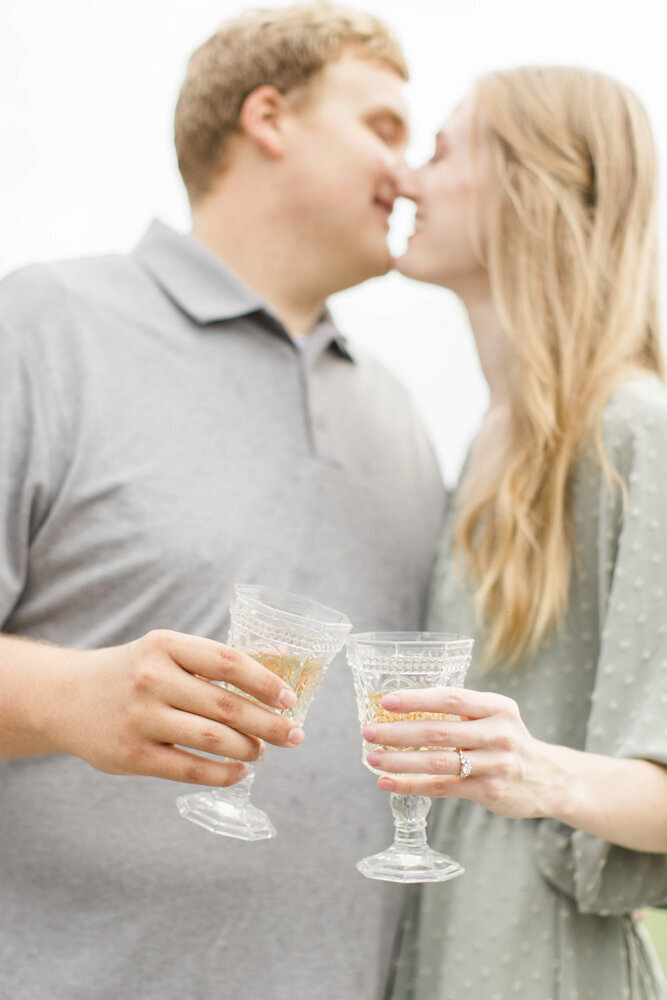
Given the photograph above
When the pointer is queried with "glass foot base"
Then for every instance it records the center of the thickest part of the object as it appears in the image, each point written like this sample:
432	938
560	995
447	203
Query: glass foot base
400	864
230	819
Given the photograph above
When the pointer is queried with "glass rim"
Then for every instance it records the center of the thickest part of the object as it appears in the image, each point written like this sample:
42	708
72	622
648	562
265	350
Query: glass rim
409	640
314	612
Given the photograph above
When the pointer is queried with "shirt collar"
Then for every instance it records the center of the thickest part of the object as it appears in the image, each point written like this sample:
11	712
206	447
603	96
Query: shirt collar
207	290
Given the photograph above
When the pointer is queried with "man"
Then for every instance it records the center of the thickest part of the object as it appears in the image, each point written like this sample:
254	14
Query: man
172	422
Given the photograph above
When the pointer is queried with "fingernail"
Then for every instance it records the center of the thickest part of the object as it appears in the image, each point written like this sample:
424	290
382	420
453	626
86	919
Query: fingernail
296	736
390	701
387	784
286	698
373	758
368	733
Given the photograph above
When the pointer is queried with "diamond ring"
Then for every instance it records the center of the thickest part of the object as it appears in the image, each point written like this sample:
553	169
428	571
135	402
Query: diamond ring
466	766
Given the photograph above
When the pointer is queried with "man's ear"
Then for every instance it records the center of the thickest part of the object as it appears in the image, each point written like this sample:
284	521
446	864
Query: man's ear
261	119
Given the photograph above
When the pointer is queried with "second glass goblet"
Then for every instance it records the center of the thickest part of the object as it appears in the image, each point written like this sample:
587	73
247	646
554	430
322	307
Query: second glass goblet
295	638
382	663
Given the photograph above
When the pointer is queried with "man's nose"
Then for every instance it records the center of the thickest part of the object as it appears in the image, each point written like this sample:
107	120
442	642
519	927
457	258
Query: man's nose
406	181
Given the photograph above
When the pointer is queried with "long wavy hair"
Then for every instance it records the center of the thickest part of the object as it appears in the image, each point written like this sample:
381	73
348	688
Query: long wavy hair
571	250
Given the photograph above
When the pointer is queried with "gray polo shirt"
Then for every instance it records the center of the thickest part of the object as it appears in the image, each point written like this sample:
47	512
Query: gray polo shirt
161	437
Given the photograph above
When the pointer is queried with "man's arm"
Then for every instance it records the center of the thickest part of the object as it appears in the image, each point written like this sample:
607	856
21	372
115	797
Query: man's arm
133	709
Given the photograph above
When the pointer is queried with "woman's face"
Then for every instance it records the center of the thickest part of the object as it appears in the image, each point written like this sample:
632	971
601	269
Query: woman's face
449	194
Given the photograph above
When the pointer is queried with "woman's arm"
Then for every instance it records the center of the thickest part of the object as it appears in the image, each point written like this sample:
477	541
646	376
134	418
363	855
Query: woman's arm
621	801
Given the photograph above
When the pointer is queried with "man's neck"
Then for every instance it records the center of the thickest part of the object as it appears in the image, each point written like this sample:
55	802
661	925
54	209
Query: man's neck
269	262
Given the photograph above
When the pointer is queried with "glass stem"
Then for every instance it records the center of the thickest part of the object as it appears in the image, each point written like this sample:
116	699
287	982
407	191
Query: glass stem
239	793
410	812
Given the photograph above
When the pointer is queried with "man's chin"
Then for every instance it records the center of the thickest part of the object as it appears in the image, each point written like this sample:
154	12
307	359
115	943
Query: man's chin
382	265
374	266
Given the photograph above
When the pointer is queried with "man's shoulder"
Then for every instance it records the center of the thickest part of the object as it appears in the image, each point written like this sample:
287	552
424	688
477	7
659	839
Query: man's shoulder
392	404
91	299
377	372
49	284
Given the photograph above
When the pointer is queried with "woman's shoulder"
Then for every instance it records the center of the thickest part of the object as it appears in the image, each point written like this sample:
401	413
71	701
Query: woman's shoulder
637	399
635	417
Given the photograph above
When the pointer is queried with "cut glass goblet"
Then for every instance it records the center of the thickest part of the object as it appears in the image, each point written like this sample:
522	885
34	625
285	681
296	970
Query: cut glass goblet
295	638
384	662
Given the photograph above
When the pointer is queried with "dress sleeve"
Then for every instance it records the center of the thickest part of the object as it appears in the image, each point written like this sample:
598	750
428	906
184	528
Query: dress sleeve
628	716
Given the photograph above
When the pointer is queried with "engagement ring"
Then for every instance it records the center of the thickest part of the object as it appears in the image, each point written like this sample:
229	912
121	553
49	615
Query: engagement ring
466	766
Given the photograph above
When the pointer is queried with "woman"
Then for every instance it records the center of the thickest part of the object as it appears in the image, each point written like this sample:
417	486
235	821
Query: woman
538	210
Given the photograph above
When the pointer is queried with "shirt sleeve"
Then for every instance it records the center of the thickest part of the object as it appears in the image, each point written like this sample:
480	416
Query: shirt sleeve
628	715
23	470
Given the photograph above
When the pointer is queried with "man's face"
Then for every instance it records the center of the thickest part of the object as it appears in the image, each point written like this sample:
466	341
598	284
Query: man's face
345	150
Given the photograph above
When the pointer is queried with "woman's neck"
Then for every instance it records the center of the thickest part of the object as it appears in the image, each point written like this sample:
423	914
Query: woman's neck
491	343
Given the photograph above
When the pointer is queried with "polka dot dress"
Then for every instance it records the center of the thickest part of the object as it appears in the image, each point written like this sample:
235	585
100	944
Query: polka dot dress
544	912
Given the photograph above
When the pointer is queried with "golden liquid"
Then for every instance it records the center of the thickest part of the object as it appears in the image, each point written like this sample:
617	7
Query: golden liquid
303	674
379	714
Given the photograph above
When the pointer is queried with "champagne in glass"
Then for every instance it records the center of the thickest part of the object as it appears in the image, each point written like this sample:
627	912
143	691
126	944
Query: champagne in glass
303	674
378	714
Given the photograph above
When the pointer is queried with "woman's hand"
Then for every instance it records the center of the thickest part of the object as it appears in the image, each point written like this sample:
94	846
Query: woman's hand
511	773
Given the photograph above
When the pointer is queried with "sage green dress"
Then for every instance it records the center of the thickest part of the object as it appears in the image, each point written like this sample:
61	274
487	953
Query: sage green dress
544	912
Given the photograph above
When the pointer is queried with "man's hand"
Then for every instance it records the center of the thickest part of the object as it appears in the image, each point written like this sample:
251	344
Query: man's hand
142	707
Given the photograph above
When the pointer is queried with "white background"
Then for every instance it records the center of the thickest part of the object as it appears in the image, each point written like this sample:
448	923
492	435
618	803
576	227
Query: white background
86	99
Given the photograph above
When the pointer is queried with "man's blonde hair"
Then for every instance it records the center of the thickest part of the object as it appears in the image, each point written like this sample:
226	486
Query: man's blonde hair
284	48
572	259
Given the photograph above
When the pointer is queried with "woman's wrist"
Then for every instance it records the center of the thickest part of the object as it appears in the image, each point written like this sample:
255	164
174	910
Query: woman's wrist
559	792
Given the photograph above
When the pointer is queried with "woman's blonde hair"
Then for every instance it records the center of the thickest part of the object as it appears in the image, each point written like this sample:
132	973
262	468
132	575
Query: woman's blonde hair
284	47
572	259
